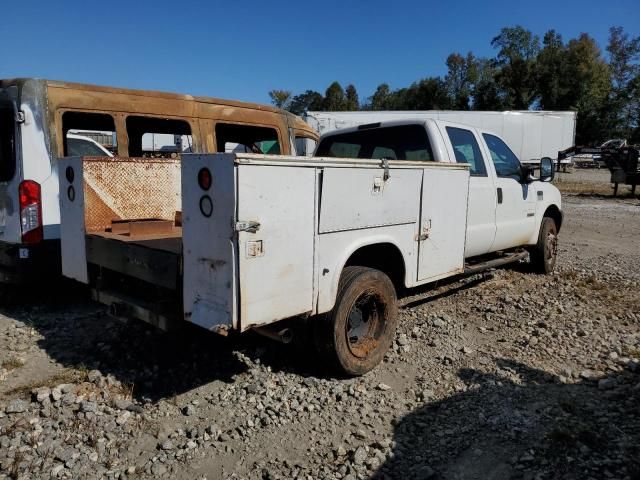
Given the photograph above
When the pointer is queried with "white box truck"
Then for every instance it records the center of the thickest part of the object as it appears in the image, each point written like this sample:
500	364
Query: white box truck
531	135
266	238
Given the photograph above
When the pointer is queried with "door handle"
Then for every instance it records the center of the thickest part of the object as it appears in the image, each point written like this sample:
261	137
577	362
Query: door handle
499	195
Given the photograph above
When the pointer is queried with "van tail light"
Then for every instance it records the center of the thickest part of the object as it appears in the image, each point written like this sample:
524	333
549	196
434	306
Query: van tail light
30	212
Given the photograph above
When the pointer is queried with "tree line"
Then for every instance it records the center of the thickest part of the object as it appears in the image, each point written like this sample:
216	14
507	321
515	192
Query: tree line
527	73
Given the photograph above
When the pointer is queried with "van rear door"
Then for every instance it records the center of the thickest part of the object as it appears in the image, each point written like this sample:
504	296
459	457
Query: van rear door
8	167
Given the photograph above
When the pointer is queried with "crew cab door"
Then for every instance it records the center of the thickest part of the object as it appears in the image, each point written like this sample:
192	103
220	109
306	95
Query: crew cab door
515	203
463	145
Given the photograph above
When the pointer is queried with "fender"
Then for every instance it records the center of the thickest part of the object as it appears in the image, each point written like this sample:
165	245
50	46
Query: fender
551	198
330	266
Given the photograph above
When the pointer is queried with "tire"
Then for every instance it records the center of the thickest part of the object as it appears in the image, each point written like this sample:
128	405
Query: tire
354	337
544	255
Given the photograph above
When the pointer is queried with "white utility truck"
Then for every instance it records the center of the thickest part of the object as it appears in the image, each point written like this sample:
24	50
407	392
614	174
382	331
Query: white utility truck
531	134
263	238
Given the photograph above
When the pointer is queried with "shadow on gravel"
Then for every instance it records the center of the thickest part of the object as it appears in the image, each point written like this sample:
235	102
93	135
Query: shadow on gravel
154	364
534	428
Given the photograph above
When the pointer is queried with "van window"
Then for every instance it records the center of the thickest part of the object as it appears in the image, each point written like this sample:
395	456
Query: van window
403	142
504	160
158	137
7	144
98	127
245	138
466	150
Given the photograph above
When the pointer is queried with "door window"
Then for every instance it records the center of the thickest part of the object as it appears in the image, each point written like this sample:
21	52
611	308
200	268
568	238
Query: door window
504	160
466	150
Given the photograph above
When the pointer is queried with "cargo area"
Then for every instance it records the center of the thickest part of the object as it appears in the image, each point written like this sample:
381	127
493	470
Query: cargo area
132	243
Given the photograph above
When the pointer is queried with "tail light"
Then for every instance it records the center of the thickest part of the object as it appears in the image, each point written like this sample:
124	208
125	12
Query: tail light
30	212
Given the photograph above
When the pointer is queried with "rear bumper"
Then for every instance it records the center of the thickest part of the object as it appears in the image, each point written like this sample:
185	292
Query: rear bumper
29	263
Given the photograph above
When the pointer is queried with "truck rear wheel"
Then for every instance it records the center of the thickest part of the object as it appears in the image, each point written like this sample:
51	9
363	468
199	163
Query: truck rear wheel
356	334
543	256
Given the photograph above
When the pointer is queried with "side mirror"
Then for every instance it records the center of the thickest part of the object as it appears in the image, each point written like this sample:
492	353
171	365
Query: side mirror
547	171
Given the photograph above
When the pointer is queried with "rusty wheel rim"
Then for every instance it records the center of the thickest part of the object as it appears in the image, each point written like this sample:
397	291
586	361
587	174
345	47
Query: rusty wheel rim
552	247
365	325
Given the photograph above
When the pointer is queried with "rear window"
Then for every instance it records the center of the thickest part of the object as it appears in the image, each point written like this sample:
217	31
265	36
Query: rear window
403	142
7	145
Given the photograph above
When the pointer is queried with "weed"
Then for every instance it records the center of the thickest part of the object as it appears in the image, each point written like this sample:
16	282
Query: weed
12	363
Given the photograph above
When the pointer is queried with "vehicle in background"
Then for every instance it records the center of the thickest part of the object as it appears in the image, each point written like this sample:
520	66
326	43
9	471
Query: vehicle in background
81	146
266	238
595	160
531	135
39	124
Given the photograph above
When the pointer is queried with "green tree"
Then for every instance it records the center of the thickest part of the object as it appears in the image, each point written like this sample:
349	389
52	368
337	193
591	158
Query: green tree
280	98
487	94
351	98
427	94
334	98
588	80
517	51
381	98
550	72
624	54
310	100
460	79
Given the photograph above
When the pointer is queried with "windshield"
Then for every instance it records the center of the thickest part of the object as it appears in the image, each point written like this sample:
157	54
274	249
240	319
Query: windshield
403	142
7	144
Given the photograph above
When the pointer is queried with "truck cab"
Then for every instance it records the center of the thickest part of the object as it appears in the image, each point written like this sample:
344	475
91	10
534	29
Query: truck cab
507	203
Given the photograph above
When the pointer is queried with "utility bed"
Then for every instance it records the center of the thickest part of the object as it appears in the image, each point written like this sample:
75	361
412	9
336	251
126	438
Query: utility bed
130	212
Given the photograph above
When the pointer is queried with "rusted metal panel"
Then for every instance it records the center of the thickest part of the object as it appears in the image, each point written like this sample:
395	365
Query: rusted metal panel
135	228
128	189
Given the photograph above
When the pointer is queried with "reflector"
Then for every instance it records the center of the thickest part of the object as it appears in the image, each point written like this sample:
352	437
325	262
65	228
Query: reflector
204	178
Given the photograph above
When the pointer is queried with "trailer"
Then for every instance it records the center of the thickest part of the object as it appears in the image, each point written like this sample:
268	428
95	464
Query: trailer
623	162
532	135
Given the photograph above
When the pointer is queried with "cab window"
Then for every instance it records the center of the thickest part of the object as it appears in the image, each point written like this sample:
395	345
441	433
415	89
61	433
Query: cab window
504	160
402	142
466	150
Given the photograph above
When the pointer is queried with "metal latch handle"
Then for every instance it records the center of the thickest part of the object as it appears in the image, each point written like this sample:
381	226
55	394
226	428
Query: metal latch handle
247	226
385	165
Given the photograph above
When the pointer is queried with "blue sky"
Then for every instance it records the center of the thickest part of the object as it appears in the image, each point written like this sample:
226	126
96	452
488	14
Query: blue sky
242	49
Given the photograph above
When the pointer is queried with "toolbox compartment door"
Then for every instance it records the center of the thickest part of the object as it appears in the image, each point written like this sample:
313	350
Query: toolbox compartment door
275	262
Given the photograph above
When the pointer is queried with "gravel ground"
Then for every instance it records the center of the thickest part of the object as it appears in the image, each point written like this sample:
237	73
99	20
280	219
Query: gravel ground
509	375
